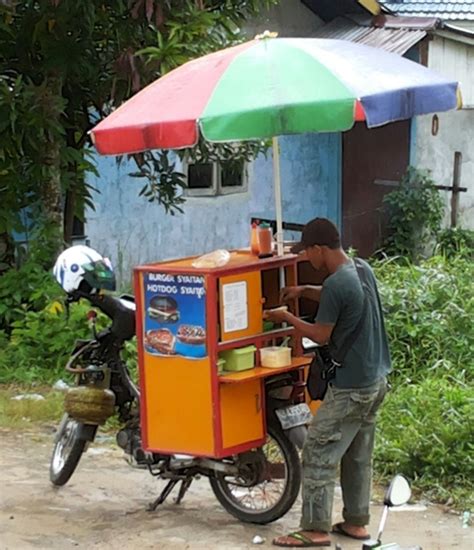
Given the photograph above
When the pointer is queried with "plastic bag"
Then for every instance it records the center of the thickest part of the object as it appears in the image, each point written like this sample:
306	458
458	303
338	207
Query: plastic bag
218	258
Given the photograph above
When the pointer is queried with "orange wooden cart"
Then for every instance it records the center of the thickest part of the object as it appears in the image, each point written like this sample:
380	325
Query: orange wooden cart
187	406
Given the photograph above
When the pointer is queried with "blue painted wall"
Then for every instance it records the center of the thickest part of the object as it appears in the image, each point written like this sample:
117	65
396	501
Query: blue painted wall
132	231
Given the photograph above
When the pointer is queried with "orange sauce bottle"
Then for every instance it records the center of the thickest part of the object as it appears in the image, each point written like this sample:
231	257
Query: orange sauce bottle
265	240
254	247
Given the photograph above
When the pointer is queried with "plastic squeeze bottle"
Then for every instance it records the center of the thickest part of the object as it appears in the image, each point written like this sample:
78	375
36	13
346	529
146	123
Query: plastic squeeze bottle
254	247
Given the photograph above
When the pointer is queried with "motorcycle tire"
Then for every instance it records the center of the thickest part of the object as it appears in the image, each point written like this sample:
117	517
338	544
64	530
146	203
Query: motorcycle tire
292	464
67	451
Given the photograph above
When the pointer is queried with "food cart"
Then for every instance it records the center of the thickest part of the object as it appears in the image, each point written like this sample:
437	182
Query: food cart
191	320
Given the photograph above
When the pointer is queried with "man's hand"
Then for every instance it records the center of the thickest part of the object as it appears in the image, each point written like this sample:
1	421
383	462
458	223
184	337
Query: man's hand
290	293
318	332
278	315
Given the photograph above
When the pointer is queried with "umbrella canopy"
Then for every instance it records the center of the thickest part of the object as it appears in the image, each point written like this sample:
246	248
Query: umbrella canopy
269	87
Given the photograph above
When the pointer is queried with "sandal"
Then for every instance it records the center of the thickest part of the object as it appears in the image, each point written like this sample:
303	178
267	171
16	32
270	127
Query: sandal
303	541
338	529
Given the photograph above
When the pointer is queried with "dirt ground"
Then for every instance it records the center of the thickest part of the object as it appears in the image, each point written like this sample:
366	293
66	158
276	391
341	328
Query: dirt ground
103	506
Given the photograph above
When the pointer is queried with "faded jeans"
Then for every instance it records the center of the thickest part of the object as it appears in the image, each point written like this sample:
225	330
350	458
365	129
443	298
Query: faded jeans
342	433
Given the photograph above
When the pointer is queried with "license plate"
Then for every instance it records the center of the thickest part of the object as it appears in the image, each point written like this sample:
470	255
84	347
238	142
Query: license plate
294	415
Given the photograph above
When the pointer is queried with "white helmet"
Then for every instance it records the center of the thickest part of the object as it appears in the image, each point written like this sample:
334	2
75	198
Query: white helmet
81	265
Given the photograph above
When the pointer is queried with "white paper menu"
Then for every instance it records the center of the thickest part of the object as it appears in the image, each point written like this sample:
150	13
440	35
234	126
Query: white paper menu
235	306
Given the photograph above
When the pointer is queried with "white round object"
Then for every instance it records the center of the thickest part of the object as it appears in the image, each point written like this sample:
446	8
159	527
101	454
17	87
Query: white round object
69	267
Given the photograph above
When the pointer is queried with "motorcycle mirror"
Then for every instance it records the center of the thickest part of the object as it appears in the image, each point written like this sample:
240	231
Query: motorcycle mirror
398	493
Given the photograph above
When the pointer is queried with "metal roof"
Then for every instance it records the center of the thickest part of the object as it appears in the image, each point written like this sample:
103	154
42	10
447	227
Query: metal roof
460	10
329	9
394	40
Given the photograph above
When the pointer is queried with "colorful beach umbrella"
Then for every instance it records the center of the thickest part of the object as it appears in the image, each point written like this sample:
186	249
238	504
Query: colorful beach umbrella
269	87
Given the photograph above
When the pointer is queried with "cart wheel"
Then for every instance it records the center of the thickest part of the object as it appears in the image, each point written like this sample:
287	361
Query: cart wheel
276	482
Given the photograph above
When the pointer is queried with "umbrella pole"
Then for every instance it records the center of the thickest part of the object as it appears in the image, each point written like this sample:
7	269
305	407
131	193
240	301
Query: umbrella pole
278	207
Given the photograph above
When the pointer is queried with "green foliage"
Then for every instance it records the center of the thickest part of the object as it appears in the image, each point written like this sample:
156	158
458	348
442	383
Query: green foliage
425	428
456	242
25	125
64	63
415	211
22	290
35	334
429	311
225	152
130	356
31	286
426	433
163	181
40	344
193	29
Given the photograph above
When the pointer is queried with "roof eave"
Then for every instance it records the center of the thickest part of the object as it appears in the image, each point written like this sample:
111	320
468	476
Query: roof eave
459	34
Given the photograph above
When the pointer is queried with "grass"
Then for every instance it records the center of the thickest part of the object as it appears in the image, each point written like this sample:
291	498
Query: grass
25	413
33	413
425	431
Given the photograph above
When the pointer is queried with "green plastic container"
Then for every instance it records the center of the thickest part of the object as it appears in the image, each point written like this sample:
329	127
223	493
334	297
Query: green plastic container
268	326
239	359
220	365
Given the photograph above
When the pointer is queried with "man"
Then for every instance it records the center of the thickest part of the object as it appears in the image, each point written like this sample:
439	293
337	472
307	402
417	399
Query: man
342	433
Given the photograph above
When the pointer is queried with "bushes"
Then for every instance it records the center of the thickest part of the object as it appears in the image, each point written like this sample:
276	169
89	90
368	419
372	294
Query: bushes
415	210
40	344
456	242
426	423
29	288
426	433
429	311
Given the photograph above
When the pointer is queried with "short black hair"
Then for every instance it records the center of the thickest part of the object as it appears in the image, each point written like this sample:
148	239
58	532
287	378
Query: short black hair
319	231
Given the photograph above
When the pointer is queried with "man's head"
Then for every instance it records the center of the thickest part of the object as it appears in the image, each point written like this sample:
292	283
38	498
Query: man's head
319	238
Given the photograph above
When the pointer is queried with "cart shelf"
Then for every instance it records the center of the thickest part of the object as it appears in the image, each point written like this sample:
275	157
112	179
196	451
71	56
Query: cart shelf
263	372
262	337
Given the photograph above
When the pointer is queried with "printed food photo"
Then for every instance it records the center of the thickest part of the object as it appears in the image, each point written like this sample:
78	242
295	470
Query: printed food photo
160	340
163	309
191	334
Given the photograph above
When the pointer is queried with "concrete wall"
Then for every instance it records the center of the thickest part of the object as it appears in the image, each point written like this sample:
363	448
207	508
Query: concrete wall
456	128
132	231
456	133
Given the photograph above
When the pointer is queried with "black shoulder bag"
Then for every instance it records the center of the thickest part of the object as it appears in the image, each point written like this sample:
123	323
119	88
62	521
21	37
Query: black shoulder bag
324	364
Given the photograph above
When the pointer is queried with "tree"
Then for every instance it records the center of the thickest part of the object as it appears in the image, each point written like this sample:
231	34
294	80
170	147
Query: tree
66	63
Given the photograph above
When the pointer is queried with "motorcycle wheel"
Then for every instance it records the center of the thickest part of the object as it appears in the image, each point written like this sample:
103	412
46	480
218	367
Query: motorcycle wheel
270	498
67	451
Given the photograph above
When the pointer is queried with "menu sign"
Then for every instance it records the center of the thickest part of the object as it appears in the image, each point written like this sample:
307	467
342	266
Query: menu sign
175	315
236	316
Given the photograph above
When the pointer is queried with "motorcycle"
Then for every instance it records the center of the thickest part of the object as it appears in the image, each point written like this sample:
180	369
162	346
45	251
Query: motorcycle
257	486
398	493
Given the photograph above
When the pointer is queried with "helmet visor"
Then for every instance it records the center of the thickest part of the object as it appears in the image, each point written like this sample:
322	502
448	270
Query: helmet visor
99	275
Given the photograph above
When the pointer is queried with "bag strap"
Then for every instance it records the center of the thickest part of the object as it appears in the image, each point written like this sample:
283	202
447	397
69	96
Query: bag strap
349	341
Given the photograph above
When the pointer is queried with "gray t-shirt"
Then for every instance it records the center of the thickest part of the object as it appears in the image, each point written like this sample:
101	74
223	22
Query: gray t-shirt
342	300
